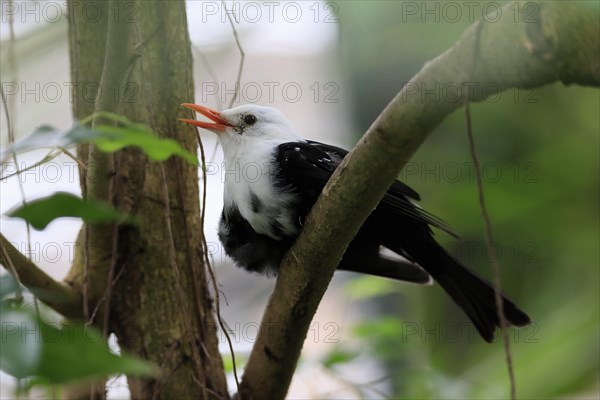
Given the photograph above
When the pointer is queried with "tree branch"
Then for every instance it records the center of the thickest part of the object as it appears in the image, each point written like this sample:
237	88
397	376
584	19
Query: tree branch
56	295
558	42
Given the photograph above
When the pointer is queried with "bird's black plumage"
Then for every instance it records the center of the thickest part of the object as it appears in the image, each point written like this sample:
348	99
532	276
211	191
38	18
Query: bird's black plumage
303	168
262	217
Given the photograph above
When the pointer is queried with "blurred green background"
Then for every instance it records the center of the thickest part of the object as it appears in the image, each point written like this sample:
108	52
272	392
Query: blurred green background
539	152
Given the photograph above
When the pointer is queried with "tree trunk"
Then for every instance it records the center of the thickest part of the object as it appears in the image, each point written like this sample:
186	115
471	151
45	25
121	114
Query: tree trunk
153	273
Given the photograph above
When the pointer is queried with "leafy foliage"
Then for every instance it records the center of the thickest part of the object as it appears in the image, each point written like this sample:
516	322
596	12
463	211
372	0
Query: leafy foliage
108	138
8	286
115	138
46	136
39	213
51	353
338	356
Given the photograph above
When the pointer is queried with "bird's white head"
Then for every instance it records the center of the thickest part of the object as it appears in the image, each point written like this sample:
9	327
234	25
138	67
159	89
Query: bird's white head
246	126
250	135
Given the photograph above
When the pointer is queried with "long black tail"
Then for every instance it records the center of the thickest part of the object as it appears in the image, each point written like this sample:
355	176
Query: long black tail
468	290
369	261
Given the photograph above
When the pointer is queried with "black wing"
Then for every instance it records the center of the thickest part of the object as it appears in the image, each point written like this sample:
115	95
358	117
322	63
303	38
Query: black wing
307	166
402	227
398	224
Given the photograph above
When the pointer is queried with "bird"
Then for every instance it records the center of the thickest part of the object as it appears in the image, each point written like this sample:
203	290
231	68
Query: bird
273	177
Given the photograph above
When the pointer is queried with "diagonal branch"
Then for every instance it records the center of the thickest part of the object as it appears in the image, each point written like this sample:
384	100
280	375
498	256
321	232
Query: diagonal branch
56	295
560	43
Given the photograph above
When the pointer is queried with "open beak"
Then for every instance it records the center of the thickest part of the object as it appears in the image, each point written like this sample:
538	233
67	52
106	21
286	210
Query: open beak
218	123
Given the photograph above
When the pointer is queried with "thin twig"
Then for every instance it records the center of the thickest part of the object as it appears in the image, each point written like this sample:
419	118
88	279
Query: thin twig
218	105
210	71
242	55
162	382
114	250
12	59
203	160
210	268
86	273
492	255
50	156
222	324
11	139
101	300
15	274
488	226
359	388
223	327
74	158
110	279
11	136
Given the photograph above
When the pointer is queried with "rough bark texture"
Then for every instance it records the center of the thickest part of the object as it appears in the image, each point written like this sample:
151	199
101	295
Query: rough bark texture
86	51
160	308
561	43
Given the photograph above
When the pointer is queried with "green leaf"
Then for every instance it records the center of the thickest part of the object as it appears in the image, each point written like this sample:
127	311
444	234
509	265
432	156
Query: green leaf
47	136
8	286
381	328
107	138
39	213
228	361
338	356
114	138
53	354
19	355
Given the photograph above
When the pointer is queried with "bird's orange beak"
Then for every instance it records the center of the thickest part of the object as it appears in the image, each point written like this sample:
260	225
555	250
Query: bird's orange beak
219	123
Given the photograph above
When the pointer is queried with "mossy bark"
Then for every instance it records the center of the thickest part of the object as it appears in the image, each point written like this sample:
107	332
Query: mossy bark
160	305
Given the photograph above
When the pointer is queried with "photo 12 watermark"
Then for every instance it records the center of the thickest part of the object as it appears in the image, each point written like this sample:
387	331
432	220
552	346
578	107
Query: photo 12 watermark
455	332
459	92
270	92
527	252
16	327
525	172
468	11
28	92
247	332
254	12
29	12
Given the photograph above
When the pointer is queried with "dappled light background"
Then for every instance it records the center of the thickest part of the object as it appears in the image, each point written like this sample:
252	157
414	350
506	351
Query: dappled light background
331	68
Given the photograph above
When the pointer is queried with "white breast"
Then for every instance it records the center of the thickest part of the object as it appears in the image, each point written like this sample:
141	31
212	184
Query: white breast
249	185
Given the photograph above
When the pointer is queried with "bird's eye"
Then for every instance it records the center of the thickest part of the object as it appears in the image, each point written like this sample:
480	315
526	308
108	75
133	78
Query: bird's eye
249	119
